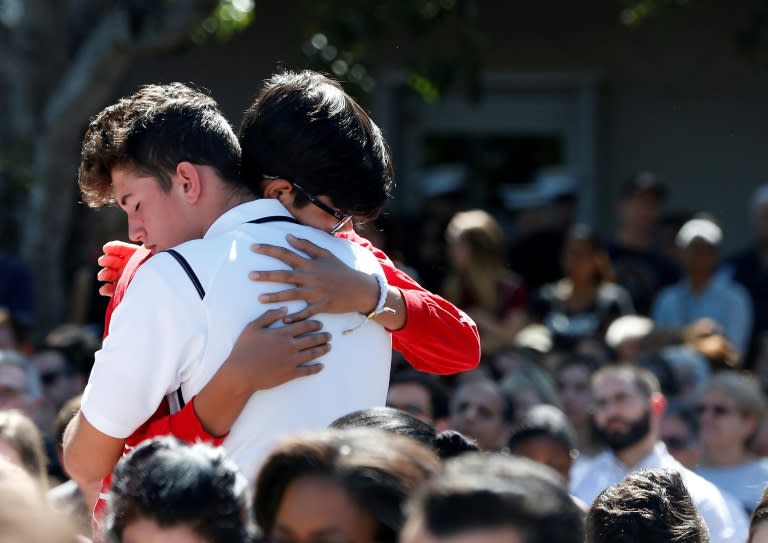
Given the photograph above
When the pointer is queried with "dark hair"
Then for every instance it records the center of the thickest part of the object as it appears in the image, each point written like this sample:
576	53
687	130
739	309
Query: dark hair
586	234
759	515
175	484
648	505
75	343
543	421
643	181
495	491
152	131
438	396
377	469
304	128
642	379
445	444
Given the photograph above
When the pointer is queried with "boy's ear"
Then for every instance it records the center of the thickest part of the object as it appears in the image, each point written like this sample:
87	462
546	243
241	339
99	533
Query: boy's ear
275	188
189	180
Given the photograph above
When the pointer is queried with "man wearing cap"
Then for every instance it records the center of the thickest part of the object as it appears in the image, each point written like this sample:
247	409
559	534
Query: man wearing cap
749	268
701	294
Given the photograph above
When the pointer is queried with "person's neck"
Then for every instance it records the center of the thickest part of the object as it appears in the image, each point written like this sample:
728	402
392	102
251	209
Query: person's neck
635	238
699	282
726	456
224	203
631	456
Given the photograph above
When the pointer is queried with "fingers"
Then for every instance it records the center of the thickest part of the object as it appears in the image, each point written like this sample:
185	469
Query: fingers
109	275
311	341
269	317
315	251
285	295
110	260
119	248
303	327
107	290
306	371
282	254
278	276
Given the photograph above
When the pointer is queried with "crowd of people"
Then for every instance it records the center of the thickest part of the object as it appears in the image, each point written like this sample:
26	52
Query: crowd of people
265	372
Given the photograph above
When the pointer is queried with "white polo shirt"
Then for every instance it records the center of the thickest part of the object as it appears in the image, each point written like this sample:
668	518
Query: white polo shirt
725	519
163	336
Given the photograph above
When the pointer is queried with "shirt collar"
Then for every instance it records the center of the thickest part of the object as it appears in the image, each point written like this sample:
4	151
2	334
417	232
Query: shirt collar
654	459
255	209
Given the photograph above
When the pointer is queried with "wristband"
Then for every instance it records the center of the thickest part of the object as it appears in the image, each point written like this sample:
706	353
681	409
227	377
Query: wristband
383	291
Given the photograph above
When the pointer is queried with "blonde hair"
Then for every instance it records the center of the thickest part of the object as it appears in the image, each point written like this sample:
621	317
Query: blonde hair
485	239
20	432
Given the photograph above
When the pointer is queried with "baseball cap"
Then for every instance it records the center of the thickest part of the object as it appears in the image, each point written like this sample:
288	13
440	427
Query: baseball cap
700	228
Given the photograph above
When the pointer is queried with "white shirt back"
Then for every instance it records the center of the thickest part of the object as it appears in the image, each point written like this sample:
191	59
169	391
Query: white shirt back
197	335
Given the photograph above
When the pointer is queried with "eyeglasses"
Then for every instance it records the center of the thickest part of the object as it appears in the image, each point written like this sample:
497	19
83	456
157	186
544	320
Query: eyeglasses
676	443
314	200
716	410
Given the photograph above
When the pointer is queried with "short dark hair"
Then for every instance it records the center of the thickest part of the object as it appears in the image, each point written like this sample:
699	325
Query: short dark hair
175	484
543	421
152	131
445	444
304	128
438	397
479	491
377	469
648	505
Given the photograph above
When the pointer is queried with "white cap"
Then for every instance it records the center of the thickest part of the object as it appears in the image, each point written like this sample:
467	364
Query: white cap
704	229
626	328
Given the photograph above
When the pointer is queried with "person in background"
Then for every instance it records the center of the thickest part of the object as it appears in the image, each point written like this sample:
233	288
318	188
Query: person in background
348	484
480	410
628	407
445	444
758	527
648	505
168	491
480	282
22	444
420	395
493	498
586	300
545	436
680	434
731	411
702	294
639	265
625	335
749	268
19	384
25	514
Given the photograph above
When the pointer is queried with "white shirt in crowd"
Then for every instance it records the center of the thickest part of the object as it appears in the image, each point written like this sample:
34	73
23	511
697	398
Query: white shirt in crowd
163	336
745	482
723	515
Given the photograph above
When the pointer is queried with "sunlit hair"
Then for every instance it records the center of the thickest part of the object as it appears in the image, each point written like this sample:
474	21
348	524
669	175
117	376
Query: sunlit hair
484	238
745	393
151	131
377	469
649	505
21	433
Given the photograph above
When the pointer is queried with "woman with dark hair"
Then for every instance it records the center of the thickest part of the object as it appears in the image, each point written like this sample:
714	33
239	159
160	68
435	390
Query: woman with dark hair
584	302
446	444
340	485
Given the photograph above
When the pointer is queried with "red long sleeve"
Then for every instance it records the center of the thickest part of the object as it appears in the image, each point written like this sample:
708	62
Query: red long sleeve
437	337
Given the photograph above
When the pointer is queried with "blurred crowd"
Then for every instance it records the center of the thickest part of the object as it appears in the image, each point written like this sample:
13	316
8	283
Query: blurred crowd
610	361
